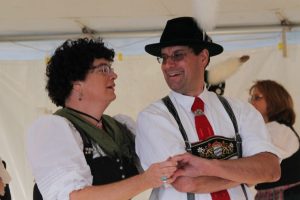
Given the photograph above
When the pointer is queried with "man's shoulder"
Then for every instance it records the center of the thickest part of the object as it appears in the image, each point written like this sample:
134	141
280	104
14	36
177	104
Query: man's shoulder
237	104
155	106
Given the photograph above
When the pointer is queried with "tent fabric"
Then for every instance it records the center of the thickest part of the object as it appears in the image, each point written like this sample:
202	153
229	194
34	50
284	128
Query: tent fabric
140	82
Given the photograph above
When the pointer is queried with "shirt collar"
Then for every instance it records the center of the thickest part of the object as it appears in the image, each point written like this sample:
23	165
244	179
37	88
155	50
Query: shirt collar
187	101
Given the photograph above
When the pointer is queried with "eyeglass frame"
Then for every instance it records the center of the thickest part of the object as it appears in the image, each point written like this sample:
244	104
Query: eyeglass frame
255	98
176	56
103	68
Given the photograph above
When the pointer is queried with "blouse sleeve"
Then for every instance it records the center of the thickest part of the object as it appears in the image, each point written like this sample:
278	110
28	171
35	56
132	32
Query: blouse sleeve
54	150
283	138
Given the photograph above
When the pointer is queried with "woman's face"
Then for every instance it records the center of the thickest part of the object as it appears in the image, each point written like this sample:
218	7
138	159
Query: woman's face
258	101
99	85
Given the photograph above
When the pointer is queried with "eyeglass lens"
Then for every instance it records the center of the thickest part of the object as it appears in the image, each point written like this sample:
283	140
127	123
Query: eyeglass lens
255	98
175	57
103	68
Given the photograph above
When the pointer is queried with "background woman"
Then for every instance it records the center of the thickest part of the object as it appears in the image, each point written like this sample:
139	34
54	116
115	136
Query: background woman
275	104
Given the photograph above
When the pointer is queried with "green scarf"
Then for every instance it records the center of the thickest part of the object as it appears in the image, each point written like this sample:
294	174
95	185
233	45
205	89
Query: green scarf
114	139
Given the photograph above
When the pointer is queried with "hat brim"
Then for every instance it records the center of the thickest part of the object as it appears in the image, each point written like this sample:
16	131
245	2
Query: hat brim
155	49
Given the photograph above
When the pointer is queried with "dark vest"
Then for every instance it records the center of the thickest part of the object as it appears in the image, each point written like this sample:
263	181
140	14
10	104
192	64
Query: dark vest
290	172
104	169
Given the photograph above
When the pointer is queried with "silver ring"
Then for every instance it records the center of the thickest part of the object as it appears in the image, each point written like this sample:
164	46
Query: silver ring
164	179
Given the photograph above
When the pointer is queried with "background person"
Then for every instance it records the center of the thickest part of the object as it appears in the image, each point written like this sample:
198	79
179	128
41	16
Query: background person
275	104
184	52
4	181
79	152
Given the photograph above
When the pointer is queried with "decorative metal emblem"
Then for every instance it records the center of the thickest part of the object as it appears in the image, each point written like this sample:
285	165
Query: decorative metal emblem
198	112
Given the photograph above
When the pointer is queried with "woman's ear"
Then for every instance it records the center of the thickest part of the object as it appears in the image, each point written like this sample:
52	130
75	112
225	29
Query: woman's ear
77	86
77	89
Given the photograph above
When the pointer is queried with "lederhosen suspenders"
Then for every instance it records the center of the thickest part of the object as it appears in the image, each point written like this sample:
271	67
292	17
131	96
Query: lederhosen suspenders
167	101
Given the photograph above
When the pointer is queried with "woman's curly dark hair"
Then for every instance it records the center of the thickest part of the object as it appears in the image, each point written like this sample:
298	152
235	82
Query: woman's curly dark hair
71	62
279	101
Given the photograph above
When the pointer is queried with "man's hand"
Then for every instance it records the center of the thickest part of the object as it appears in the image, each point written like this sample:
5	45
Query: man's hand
191	166
184	184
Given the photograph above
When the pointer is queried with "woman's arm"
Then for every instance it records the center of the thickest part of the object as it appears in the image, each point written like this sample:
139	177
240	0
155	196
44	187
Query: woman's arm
126	189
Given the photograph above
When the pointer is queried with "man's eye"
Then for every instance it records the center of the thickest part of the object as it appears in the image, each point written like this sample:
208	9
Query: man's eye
178	55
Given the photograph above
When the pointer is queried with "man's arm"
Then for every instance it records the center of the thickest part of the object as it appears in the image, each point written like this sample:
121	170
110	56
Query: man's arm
262	167
202	184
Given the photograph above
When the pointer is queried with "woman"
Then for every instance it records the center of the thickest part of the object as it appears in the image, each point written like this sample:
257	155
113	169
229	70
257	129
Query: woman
276	106
4	180
80	153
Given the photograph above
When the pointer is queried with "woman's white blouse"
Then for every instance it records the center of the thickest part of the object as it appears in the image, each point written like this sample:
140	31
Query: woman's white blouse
55	153
283	138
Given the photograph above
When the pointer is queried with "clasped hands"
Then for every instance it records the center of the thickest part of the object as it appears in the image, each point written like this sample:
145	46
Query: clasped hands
180	171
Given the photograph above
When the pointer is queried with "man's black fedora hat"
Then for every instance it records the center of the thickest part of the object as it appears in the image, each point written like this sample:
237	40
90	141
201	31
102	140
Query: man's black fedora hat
183	31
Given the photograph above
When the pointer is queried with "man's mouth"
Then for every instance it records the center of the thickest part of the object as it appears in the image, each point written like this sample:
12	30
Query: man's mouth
174	73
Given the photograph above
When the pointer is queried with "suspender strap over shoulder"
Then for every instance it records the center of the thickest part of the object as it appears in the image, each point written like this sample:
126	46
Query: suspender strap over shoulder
234	123
167	101
237	135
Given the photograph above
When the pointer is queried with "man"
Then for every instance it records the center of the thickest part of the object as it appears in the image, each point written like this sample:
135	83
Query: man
184	51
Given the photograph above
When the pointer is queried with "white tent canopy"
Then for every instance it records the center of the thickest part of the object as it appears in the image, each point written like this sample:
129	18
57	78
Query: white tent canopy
56	19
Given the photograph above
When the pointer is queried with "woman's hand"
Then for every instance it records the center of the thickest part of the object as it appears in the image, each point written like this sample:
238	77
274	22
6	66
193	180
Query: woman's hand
160	173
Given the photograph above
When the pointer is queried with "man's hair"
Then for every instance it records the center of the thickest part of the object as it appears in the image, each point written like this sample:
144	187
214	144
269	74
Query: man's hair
71	62
197	50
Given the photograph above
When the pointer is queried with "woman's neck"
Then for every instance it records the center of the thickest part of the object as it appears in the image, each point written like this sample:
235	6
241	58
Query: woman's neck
97	121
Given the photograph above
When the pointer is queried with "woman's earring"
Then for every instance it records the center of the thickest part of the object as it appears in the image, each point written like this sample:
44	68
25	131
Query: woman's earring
80	96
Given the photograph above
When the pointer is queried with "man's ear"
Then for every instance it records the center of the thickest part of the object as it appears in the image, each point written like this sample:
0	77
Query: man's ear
204	56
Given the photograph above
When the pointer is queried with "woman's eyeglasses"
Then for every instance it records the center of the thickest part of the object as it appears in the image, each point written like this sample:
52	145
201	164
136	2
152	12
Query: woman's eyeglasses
255	98
103	68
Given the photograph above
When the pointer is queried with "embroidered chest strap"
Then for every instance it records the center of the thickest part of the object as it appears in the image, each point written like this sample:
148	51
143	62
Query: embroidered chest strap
216	147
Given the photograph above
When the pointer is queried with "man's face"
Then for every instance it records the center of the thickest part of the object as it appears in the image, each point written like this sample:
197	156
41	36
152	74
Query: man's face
183	70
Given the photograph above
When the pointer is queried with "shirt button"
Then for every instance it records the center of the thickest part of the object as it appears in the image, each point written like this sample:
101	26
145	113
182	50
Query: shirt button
121	167
123	176
118	160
